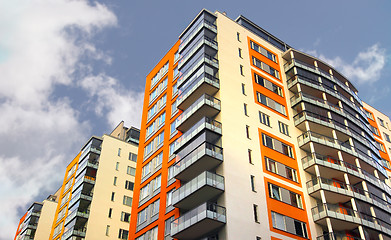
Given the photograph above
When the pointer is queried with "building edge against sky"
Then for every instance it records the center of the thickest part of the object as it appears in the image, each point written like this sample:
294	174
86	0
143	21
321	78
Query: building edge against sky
95	198
239	130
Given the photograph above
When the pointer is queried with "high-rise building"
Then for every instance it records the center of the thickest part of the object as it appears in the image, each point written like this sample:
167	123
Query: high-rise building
96	195
244	137
37	221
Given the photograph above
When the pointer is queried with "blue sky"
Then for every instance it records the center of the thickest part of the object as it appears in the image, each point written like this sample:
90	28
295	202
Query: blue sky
72	69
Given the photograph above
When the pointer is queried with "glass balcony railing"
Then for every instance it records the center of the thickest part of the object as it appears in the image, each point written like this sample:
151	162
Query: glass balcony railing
194	63
204	123
349	215
192	32
190	112
195	45
205	179
207	155
203	78
338	236
207	217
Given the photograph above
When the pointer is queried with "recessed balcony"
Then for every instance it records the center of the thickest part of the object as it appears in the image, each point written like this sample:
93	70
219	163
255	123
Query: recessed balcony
205	106
195	29
212	128
203	158
202	188
198	222
338	236
202	84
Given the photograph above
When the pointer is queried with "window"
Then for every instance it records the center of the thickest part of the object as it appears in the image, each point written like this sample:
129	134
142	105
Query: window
387	137
174	110
240	52
238	36
283	128
159	75
169	198
155	207
248	131
174	89
115	181
264	118
127	201
255	208
380	146
241	70
170	174
277	145
123	234
176	72
280	169
146	169
132	157
131	171
107	230
154	144
250	160
157	183
245	109
117	166
243	89
112	196
173	127
142	216
144	191
172	148
119	151
157	106
271	103
369	115
158	160
381	122
129	185
374	130
289	224
167	226
176	56
252	183
125	217
110	212
261	65
268	85
263	51
284	195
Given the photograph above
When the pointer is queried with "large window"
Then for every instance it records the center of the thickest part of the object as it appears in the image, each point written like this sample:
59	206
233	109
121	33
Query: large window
258	63
154	145
284	195
271	103
267	84
159	75
280	169
277	145
263	51
289	224
157	106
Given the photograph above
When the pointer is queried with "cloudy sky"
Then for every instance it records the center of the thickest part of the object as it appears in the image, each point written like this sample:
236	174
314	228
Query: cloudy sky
70	69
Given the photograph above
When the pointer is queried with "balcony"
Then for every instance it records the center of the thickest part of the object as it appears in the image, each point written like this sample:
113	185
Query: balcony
212	128
205	106
193	65
203	158
85	179
74	232
202	84
201	23
347	219
76	213
198	222
202	188
314	84
196	44
338	236
80	195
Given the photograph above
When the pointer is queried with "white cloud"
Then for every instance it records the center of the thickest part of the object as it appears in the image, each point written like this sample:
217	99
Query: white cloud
365	68
109	97
41	47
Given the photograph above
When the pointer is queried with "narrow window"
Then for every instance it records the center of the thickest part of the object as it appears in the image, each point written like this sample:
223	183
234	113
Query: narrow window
241	70
125	217
132	157
127	201
248	131
240	52
252	183
107	230
115	181
112	196
117	166
110	212
250	160
129	185
283	128
119	151
255	208
243	89
238	36
245	109
264	119
131	171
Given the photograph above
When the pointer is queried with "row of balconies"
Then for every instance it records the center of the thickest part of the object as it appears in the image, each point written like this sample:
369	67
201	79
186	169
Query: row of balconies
197	151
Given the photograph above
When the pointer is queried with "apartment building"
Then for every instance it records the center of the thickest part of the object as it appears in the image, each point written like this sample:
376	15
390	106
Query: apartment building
37	221
96	195
244	137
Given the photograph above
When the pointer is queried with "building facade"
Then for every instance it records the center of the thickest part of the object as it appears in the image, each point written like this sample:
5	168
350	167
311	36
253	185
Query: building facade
96	195
244	137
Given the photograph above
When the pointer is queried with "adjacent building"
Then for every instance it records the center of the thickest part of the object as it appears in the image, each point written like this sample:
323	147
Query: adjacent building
244	137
